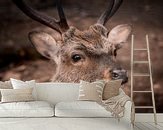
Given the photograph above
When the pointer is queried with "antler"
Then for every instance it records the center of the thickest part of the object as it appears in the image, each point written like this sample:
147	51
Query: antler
59	25
109	12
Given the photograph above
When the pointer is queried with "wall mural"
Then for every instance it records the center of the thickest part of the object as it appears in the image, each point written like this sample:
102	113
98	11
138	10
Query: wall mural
40	41
80	55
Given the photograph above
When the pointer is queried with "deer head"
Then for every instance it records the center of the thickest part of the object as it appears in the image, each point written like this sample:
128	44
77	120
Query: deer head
86	55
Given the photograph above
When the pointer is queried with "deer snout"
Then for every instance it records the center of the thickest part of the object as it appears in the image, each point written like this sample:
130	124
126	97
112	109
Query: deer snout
120	74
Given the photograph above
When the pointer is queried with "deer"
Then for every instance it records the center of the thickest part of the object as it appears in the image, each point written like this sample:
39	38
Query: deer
88	54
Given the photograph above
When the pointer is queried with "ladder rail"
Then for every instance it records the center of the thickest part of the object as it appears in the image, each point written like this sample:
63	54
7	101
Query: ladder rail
151	79
132	63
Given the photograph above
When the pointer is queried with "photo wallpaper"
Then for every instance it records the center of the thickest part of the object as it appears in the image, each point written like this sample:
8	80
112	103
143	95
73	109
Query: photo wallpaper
86	44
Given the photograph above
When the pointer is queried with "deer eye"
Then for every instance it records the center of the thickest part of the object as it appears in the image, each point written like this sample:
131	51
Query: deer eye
76	58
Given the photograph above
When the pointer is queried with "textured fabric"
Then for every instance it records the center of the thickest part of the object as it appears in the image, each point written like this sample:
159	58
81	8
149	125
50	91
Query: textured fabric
57	92
26	109
18	84
116	105
16	95
91	91
80	109
5	85
55	123
111	89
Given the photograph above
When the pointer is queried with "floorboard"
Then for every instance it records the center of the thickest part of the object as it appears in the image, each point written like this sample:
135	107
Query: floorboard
148	126
141	126
136	128
152	127
157	126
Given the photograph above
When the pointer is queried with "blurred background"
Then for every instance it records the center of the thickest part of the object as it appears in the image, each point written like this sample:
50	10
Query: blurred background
18	58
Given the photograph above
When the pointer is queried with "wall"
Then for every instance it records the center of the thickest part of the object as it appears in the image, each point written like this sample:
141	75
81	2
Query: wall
20	60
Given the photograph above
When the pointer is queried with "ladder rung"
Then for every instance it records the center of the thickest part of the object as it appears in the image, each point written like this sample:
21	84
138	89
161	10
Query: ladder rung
141	62
140	49
142	91
143	106
141	74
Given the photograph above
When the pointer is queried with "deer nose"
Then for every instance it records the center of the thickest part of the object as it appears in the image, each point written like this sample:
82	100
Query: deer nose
120	74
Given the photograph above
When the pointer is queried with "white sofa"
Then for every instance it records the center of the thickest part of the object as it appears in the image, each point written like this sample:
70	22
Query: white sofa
65	92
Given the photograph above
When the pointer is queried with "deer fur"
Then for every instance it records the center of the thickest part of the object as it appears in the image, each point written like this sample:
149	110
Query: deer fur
96	46
80	55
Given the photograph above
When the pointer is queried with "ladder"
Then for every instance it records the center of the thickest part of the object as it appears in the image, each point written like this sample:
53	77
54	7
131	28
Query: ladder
133	74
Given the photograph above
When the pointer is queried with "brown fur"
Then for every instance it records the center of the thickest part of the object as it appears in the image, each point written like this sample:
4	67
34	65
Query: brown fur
93	46
96	50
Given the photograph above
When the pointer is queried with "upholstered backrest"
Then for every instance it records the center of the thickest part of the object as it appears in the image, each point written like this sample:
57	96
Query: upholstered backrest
57	92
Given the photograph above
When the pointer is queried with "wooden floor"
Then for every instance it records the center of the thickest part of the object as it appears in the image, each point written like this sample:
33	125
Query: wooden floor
146	122
148	126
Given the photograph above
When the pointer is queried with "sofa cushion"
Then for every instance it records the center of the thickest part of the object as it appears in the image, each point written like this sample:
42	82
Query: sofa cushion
80	109
91	91
5	85
18	84
16	95
26	109
111	89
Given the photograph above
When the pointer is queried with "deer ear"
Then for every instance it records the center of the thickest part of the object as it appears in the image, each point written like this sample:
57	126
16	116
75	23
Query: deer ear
44	43
119	35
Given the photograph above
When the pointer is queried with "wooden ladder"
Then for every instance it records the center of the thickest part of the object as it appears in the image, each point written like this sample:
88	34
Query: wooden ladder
133	74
